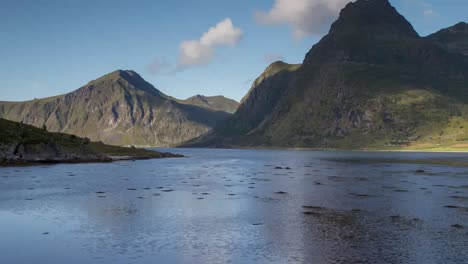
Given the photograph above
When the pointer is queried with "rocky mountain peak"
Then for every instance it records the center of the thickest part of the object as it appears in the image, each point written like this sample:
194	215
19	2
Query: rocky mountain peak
127	78
372	18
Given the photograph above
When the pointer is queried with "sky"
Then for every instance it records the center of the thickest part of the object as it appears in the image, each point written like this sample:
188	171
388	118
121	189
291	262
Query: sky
183	48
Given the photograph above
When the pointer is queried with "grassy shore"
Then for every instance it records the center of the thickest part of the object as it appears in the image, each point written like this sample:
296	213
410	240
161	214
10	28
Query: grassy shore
24	144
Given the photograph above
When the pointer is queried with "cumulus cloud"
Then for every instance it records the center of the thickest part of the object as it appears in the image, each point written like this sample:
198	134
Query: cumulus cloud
202	51
304	17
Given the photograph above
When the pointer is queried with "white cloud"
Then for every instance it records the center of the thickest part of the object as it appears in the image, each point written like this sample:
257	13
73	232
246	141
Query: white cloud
305	17
202	51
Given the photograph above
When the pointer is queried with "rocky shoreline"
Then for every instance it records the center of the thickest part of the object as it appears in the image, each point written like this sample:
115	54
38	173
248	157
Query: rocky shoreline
51	153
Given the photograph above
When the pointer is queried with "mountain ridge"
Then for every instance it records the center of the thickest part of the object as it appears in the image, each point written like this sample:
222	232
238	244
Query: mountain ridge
118	108
386	89
215	102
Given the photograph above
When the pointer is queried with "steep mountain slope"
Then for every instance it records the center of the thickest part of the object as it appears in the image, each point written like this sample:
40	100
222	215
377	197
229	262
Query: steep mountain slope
372	82
454	38
119	108
255	107
216	103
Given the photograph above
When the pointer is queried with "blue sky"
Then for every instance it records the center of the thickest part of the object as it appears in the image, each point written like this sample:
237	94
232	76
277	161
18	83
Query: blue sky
54	47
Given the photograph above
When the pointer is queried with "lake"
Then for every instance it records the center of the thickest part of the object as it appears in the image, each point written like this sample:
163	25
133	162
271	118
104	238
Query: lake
237	206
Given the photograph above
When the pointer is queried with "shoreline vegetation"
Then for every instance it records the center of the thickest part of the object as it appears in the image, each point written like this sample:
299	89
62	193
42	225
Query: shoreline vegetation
22	144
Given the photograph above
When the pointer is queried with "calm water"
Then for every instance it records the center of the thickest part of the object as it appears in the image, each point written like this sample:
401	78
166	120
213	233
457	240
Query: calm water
233	206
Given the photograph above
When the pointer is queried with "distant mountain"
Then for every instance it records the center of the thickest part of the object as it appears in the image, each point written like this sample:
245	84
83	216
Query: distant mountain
120	108
216	103
371	82
23	144
454	38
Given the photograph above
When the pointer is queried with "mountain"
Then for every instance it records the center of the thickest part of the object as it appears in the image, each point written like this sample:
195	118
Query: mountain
255	107
371	82
23	144
120	108
216	103
454	38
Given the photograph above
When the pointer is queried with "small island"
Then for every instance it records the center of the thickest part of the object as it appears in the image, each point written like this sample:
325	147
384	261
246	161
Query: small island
22	144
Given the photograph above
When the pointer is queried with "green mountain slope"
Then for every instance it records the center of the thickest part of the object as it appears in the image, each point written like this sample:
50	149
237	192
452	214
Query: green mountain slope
255	107
371	82
120	108
216	103
22	144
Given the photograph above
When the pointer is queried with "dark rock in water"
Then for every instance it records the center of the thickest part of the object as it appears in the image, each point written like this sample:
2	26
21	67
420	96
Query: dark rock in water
131	189
167	190
360	195
287	168
400	190
231	194
457	207
257	224
100	192
29	199
46	233
200	198
146	188
459	197
281	192
311	213
313	207
420	171
278	168
317	183
458	226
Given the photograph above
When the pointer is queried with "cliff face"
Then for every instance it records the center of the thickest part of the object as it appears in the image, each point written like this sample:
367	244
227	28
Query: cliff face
371	82
120	108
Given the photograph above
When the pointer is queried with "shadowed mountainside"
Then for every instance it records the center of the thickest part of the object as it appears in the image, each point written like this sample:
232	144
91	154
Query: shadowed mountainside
454	39
216	103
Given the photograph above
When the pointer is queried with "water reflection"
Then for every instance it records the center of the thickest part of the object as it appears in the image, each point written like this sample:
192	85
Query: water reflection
232	206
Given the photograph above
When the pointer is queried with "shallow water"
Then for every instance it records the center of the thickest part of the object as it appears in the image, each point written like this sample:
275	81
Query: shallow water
234	206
